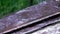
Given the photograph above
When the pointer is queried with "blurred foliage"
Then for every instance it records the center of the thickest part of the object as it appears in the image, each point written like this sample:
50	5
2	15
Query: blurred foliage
11	6
37	1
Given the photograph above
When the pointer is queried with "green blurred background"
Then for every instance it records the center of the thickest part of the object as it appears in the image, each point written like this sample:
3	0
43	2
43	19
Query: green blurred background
10	6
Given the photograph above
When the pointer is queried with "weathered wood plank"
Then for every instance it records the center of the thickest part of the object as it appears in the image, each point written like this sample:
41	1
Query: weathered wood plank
28	16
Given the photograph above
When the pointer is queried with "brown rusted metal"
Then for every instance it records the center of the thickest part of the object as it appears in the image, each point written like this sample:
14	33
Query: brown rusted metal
28	16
